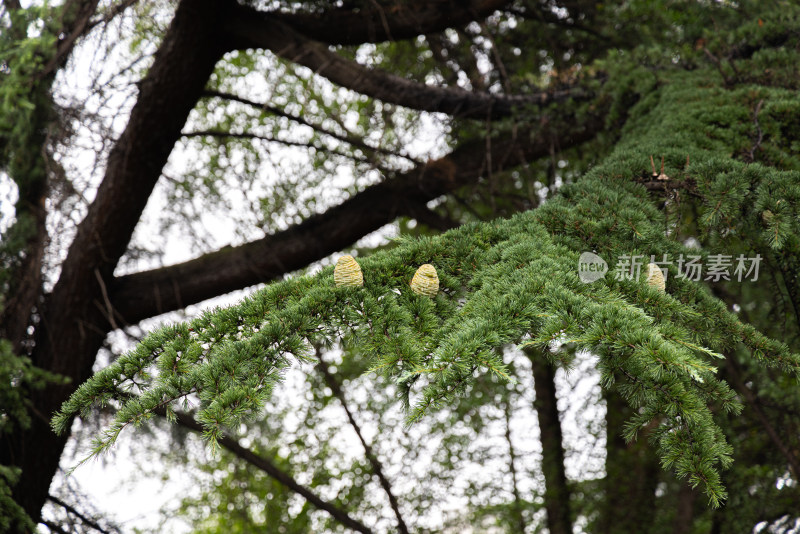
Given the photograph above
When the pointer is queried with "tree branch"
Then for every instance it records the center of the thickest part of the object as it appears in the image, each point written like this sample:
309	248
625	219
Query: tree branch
377	468
148	293
111	13
498	60
345	138
370	23
78	26
512	465
423	214
448	67
276	473
293	46
753	404
687	185
54	527
219	134
71	509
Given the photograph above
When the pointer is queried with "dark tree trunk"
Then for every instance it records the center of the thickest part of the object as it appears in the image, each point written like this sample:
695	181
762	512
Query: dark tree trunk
75	316
632	472
684	509
557	494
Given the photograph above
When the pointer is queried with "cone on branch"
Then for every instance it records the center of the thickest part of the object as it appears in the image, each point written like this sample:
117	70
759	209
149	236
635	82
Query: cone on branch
655	278
347	273
425	281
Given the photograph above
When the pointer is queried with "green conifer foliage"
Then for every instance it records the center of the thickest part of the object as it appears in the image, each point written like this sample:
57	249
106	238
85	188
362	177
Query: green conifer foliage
515	281
508	281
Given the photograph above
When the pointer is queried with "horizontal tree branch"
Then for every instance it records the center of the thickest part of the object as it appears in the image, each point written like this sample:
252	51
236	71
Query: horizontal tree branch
295	47
141	295
373	23
268	467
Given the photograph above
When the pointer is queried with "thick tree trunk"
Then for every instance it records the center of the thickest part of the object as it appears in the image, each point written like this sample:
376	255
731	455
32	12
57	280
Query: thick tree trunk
631	475
74	322
556	495
684	509
15	315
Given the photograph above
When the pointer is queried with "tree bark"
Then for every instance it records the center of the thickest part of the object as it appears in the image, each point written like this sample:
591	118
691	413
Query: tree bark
372	23
74	322
557	494
631	475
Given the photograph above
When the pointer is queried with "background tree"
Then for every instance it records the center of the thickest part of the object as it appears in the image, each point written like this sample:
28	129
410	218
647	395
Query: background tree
531	95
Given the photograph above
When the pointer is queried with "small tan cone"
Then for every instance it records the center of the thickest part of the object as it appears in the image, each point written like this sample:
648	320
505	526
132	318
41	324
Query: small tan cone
425	281
655	278
347	273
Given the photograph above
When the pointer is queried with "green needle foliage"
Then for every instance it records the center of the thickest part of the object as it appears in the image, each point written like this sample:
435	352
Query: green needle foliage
512	281
515	281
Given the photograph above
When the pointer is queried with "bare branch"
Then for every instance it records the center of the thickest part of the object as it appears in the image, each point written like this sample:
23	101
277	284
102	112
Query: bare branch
438	49
345	138
714	59
112	12
71	509
54	527
377	468
512	461
288	44
285	142
498	61
468	59
268	467
78	25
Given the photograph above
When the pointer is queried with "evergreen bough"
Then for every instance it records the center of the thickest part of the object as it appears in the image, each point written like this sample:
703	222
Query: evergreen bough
516	281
